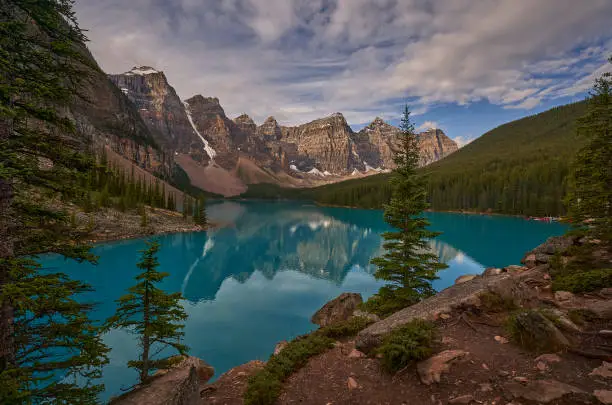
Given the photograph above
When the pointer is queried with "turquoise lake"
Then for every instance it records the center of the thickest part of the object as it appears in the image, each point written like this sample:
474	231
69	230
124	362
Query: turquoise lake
258	279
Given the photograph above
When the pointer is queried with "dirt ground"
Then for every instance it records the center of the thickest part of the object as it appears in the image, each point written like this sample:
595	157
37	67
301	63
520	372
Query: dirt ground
484	375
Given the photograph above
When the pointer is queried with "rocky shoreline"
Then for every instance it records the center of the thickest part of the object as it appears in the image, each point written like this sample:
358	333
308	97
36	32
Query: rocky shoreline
109	225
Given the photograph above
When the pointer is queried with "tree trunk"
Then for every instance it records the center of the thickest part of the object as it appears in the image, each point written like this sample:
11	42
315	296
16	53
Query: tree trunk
144	372
7	349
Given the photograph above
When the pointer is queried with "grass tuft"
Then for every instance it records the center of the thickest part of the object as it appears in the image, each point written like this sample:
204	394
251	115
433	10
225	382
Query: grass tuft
495	303
534	330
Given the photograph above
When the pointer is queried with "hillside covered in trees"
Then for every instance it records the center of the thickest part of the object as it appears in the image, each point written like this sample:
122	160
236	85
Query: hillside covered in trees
517	168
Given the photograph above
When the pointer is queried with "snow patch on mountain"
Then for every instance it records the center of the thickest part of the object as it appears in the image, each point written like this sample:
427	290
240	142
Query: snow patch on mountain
370	168
142	70
209	150
317	172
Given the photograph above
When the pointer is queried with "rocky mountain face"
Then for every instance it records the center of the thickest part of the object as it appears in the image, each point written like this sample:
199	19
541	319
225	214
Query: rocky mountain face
161	109
326	149
435	145
106	116
377	143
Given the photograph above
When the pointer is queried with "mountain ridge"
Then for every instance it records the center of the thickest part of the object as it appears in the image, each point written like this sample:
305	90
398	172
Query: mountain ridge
321	151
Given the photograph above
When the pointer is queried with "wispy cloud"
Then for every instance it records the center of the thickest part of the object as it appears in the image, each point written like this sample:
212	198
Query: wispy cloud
301	59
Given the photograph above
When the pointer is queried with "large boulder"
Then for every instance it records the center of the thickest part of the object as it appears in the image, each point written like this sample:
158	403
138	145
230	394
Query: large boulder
542	253
337	310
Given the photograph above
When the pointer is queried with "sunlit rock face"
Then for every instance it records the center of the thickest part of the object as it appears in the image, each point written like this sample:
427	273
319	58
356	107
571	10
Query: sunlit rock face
378	142
328	141
435	145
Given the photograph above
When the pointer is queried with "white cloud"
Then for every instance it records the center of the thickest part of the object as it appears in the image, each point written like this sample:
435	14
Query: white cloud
461	141
428	125
301	59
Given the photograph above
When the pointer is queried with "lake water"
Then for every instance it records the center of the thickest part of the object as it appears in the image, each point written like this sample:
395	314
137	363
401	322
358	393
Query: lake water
258	279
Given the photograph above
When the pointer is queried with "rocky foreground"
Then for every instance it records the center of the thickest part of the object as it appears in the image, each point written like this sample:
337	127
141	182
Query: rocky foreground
476	360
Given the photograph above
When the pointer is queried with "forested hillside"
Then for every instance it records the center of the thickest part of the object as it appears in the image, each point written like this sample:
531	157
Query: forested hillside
517	168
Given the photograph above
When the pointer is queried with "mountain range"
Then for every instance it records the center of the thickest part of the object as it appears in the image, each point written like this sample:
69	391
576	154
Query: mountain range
223	155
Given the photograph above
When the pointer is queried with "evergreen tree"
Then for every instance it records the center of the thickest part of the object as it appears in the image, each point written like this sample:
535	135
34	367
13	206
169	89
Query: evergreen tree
408	265
590	199
45	333
144	219
199	216
152	314
196	211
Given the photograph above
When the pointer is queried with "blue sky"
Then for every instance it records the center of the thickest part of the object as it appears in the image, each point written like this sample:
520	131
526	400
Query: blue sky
465	66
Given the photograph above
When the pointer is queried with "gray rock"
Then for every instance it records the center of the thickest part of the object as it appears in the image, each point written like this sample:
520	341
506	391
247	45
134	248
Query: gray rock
465	278
456	296
463	399
601	308
542	391
280	346
492	271
555	244
431	370
337	310
563	296
604	396
363	314
605	370
179	386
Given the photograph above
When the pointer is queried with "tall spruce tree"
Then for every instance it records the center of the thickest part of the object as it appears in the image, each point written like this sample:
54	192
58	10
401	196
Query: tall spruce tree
47	342
590	199
408	264
201	218
152	314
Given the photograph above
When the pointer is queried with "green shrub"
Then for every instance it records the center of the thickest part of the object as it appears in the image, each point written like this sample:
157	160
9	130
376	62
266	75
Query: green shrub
492	302
534	330
346	328
582	281
409	343
265	386
384	305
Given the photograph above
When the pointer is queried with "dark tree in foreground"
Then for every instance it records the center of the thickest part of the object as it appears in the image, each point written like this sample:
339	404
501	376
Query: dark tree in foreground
590	198
152	314
49	349
408	264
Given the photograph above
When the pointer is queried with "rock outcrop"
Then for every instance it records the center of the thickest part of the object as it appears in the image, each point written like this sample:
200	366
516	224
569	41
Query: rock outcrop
467	294
337	310
178	386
